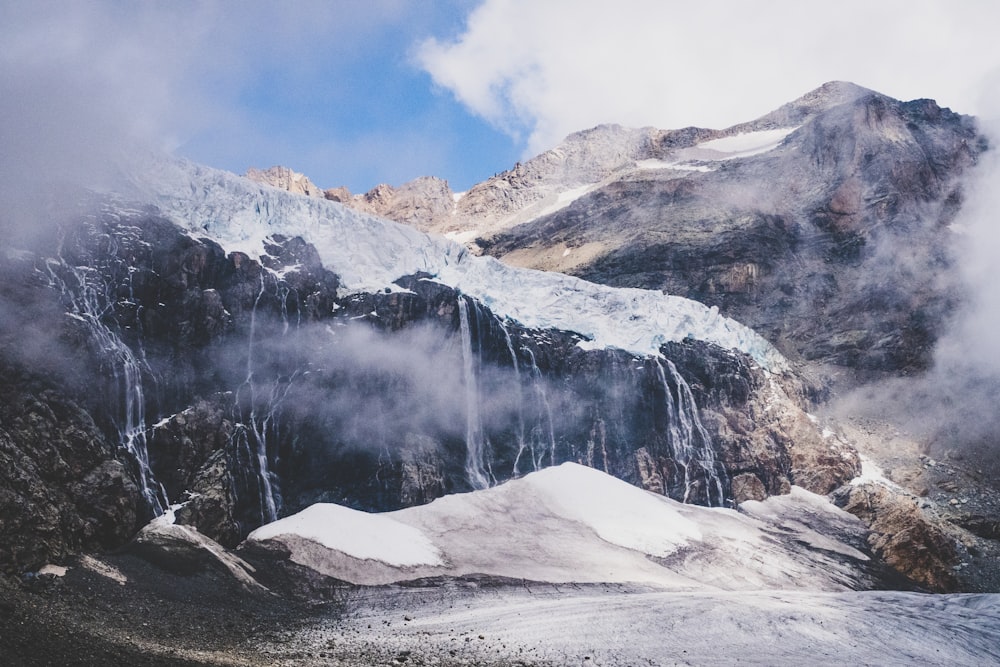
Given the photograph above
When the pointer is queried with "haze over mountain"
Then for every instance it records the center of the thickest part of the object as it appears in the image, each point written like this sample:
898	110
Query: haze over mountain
794	223
255	377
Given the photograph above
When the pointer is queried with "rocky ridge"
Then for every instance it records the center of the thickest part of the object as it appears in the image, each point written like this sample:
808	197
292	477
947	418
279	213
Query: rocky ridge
792	223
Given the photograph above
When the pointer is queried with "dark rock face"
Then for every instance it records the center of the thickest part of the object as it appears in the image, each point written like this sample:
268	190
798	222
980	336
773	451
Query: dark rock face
107	325
683	426
190	457
833	245
246	390
62	490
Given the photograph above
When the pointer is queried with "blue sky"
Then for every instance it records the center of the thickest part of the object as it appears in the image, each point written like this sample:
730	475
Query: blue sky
360	92
358	110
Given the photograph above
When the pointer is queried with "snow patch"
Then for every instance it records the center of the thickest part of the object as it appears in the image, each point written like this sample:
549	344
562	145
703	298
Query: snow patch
358	534
463	237
562	200
747	143
617	511
871	473
796	512
652	164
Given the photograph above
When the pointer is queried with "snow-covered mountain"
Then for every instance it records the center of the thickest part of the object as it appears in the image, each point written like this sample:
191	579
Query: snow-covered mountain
791	223
200	362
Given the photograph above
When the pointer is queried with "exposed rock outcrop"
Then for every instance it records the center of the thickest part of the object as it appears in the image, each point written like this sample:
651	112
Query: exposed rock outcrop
62	490
902	536
285	179
184	550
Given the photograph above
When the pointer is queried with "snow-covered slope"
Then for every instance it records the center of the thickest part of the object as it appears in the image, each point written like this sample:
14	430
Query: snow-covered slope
369	253
571	523
611	628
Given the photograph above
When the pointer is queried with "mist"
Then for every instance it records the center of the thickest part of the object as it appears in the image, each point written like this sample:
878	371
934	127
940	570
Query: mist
954	407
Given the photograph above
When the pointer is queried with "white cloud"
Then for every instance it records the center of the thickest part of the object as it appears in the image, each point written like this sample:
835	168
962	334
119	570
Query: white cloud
540	70
80	81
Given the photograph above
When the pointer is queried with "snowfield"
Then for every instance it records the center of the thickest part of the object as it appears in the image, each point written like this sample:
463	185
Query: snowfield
746	144
370	253
614	627
573	524
569	566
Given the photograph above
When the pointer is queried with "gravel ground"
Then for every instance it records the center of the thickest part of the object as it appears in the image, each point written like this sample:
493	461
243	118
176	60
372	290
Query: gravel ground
159	618
156	618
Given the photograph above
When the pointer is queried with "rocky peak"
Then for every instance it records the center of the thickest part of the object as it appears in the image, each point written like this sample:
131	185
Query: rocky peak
426	203
285	179
794	230
827	96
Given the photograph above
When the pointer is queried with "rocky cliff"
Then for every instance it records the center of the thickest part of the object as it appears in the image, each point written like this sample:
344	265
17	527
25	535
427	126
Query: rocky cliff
167	371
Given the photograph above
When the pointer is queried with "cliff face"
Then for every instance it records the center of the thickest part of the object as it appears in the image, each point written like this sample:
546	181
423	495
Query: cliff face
248	389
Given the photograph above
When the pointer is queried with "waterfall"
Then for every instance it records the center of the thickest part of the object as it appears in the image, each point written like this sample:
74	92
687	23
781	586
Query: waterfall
689	442
521	445
254	442
89	300
474	442
539	387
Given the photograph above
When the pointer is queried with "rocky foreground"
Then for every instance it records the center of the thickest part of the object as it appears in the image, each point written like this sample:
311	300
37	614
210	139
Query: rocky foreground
144	606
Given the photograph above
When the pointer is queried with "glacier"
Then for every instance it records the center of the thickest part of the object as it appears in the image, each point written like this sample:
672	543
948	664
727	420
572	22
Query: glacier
369	254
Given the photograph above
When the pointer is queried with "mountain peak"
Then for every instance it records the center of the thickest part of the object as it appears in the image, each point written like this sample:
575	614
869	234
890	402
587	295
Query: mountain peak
831	94
284	178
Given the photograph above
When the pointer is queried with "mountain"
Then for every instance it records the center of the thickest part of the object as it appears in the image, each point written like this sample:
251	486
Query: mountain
793	224
251	380
255	384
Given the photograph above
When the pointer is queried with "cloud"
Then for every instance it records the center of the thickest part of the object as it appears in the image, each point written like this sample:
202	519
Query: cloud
971	346
543	70
82	83
953	406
